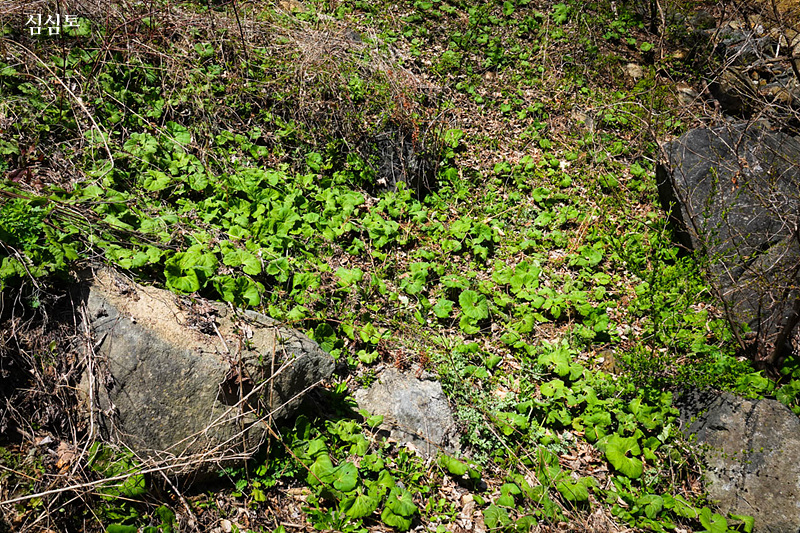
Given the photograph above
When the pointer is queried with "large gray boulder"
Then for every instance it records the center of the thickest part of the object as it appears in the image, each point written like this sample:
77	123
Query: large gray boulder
749	449
734	194
415	411
189	382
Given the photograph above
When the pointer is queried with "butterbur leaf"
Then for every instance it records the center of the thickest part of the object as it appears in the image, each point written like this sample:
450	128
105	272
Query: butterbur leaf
443	308
360	506
573	492
400	502
553	389
249	262
652	504
156	181
386	480
453	465
119	528
748	521
179	133
473	305
714	523
348	277
373	463
359	446
399	509
468	326
617	450
345	477
279	268
558	359
495	517
198	181
321	471
178	279
317	447
392	519
493	361
505	500
596	424
238	290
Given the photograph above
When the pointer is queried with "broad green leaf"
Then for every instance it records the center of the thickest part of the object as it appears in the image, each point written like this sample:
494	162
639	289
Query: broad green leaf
198	181
317	447
714	523
453	465
553	389
443	308
681	507
651	504
321	471
596	425
386	480
392	519
748	521
348	277
573	492
468	326
345	477
237	290
493	360
373	462
495	517
119	528
505	500
558	359
178	279
360	506
179	133
400	502
249	262
473	304
617	450
156	181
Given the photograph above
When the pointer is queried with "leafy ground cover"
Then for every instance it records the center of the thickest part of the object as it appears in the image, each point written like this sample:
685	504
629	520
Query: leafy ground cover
234	152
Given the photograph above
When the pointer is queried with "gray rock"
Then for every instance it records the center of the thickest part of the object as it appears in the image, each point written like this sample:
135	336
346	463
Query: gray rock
185	380
734	194
750	450
703	20
415	412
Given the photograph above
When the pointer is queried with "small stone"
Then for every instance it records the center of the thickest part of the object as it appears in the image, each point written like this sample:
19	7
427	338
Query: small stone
686	94
680	54
634	71
416	412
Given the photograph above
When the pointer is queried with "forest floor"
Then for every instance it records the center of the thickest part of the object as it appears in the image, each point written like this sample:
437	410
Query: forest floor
466	190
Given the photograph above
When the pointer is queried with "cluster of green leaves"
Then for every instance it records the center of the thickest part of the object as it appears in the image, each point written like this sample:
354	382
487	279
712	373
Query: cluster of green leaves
122	494
354	479
41	248
633	429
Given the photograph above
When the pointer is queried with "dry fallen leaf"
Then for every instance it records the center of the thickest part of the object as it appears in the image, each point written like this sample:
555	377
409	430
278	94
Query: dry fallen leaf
66	454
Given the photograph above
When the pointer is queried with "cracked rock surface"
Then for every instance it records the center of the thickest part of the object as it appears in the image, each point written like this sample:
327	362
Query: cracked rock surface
186	381
734	194
415	411
750	450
